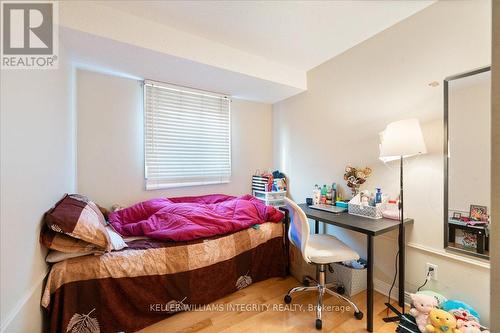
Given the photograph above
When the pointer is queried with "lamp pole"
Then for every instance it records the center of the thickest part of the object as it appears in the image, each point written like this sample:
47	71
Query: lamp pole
401	255
401	240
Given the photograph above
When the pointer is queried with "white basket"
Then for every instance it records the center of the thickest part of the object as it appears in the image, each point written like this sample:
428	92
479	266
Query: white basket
354	208
353	280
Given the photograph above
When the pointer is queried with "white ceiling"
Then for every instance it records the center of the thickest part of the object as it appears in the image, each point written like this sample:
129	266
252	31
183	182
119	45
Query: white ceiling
91	52
299	34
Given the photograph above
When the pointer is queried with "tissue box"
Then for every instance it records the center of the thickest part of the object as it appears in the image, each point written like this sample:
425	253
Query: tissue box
356	208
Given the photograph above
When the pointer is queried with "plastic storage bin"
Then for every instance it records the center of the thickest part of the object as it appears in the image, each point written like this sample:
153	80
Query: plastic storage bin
276	199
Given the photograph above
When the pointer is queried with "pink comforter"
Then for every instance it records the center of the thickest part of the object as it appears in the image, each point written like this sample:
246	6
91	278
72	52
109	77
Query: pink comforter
188	218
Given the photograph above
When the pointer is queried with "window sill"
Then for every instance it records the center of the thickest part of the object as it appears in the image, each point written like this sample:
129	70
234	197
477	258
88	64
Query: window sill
451	255
155	187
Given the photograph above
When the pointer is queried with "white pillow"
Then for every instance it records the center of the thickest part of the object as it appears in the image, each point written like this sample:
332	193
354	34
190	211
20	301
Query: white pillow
117	242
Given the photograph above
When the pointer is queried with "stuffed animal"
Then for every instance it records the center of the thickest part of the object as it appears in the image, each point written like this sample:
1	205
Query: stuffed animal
461	310
116	207
441	321
439	298
423	304
469	326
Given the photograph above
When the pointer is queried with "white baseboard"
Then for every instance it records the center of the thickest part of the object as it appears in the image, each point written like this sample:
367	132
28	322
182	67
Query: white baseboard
9	318
383	288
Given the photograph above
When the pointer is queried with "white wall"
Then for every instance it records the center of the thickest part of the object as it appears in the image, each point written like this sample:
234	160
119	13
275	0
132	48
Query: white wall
495	167
352	97
93	18
110	142
37	168
469	126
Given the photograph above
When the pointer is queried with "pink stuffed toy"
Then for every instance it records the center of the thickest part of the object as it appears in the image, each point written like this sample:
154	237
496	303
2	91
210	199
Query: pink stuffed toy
469	326
423	304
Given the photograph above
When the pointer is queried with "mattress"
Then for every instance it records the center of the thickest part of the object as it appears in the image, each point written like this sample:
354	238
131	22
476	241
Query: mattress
150	280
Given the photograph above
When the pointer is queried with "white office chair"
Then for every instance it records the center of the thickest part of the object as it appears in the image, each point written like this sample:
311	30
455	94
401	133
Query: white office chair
319	250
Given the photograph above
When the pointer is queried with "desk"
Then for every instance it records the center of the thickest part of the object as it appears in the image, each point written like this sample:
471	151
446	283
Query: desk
480	231
370	228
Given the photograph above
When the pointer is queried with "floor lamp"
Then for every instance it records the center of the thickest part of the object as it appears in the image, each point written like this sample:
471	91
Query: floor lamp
399	140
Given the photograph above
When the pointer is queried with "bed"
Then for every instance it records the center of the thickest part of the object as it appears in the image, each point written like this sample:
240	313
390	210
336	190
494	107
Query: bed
129	289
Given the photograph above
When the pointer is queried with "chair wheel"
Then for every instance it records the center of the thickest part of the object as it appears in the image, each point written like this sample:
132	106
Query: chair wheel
319	324
287	299
358	315
341	290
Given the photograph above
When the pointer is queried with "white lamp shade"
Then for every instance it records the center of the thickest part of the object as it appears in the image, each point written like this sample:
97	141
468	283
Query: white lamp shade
401	138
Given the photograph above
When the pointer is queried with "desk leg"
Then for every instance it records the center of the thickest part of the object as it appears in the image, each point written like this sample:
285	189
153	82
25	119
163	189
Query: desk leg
451	234
316	231
480	242
369	285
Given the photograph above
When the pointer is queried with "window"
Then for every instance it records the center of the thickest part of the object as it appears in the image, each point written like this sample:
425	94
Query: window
187	136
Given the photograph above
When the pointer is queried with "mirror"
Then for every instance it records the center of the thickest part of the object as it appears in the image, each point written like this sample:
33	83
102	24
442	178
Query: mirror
467	150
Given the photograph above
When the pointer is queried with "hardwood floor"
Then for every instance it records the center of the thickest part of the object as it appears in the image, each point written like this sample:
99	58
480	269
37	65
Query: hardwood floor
270	293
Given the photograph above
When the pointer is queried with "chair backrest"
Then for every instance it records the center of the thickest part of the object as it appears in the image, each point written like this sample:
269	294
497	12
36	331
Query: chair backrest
298	232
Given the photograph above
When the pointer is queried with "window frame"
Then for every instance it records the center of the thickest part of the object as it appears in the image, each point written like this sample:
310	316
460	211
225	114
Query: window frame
179	184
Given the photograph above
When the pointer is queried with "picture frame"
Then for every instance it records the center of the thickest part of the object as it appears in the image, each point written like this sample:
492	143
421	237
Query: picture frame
477	212
457	216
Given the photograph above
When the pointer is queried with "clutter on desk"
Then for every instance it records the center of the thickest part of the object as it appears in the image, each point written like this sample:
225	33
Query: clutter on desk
374	205
355	177
365	204
326	194
391	210
342	204
270	187
429	309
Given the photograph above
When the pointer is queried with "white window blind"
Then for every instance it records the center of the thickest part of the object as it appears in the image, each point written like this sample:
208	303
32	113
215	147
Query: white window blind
187	136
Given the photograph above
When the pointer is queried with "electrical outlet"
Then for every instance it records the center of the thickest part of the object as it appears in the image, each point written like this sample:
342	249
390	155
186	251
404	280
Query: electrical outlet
431	271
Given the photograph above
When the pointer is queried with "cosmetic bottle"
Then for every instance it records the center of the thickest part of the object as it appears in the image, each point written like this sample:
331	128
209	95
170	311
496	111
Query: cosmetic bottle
378	196
334	194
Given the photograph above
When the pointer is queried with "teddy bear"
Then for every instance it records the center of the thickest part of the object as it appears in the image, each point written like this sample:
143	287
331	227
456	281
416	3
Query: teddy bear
469	326
460	310
440	321
423	304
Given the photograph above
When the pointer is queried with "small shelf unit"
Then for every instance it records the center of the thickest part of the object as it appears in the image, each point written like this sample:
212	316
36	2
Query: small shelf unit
275	199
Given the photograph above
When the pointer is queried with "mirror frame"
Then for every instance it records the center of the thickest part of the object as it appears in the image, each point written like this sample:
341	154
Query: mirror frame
446	160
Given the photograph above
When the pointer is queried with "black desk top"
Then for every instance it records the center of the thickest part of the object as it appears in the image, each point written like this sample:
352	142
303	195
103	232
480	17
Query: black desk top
464	225
373	227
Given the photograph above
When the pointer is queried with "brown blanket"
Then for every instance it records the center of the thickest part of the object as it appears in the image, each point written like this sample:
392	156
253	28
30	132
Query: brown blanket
149	281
